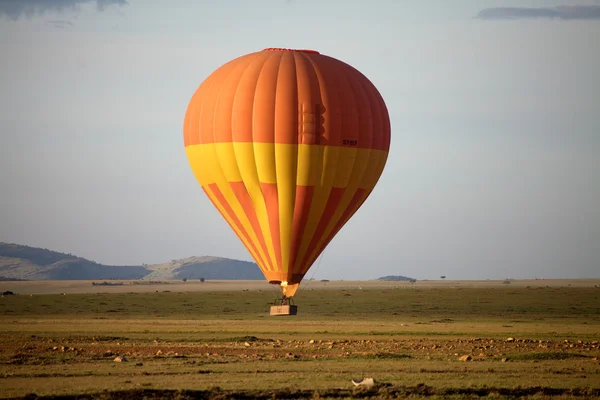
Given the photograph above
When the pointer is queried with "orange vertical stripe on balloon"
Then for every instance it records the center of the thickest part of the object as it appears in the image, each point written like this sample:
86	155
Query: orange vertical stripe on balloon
243	100
215	189
263	110
332	203
304	195
240	191
286	102
269	191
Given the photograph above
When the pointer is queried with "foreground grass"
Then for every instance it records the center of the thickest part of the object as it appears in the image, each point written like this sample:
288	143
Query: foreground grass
408	339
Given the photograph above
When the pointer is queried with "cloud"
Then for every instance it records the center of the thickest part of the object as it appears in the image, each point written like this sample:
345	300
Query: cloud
577	12
59	23
15	9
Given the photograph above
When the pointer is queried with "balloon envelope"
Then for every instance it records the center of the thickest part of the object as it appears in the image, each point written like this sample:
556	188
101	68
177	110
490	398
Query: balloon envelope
287	145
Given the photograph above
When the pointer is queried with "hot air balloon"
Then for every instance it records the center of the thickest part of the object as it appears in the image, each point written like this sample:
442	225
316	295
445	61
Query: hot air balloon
287	145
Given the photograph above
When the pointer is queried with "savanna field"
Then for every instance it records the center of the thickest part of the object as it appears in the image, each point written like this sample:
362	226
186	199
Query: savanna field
523	339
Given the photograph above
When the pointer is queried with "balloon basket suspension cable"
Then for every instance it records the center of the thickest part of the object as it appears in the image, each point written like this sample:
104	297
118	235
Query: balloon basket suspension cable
313	274
284	301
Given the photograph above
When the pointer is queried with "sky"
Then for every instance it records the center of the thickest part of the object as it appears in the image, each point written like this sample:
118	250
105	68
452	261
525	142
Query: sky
494	166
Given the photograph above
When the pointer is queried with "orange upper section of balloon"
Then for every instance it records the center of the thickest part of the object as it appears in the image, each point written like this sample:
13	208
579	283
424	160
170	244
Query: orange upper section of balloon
288	97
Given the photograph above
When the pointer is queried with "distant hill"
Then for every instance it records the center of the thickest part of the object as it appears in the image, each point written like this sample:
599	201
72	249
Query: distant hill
396	278
6	279
19	262
205	267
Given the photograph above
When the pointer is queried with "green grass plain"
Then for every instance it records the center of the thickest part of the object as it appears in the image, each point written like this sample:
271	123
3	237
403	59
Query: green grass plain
185	343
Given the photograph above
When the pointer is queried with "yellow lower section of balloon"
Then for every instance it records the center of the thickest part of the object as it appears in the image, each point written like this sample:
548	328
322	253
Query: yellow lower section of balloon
288	166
